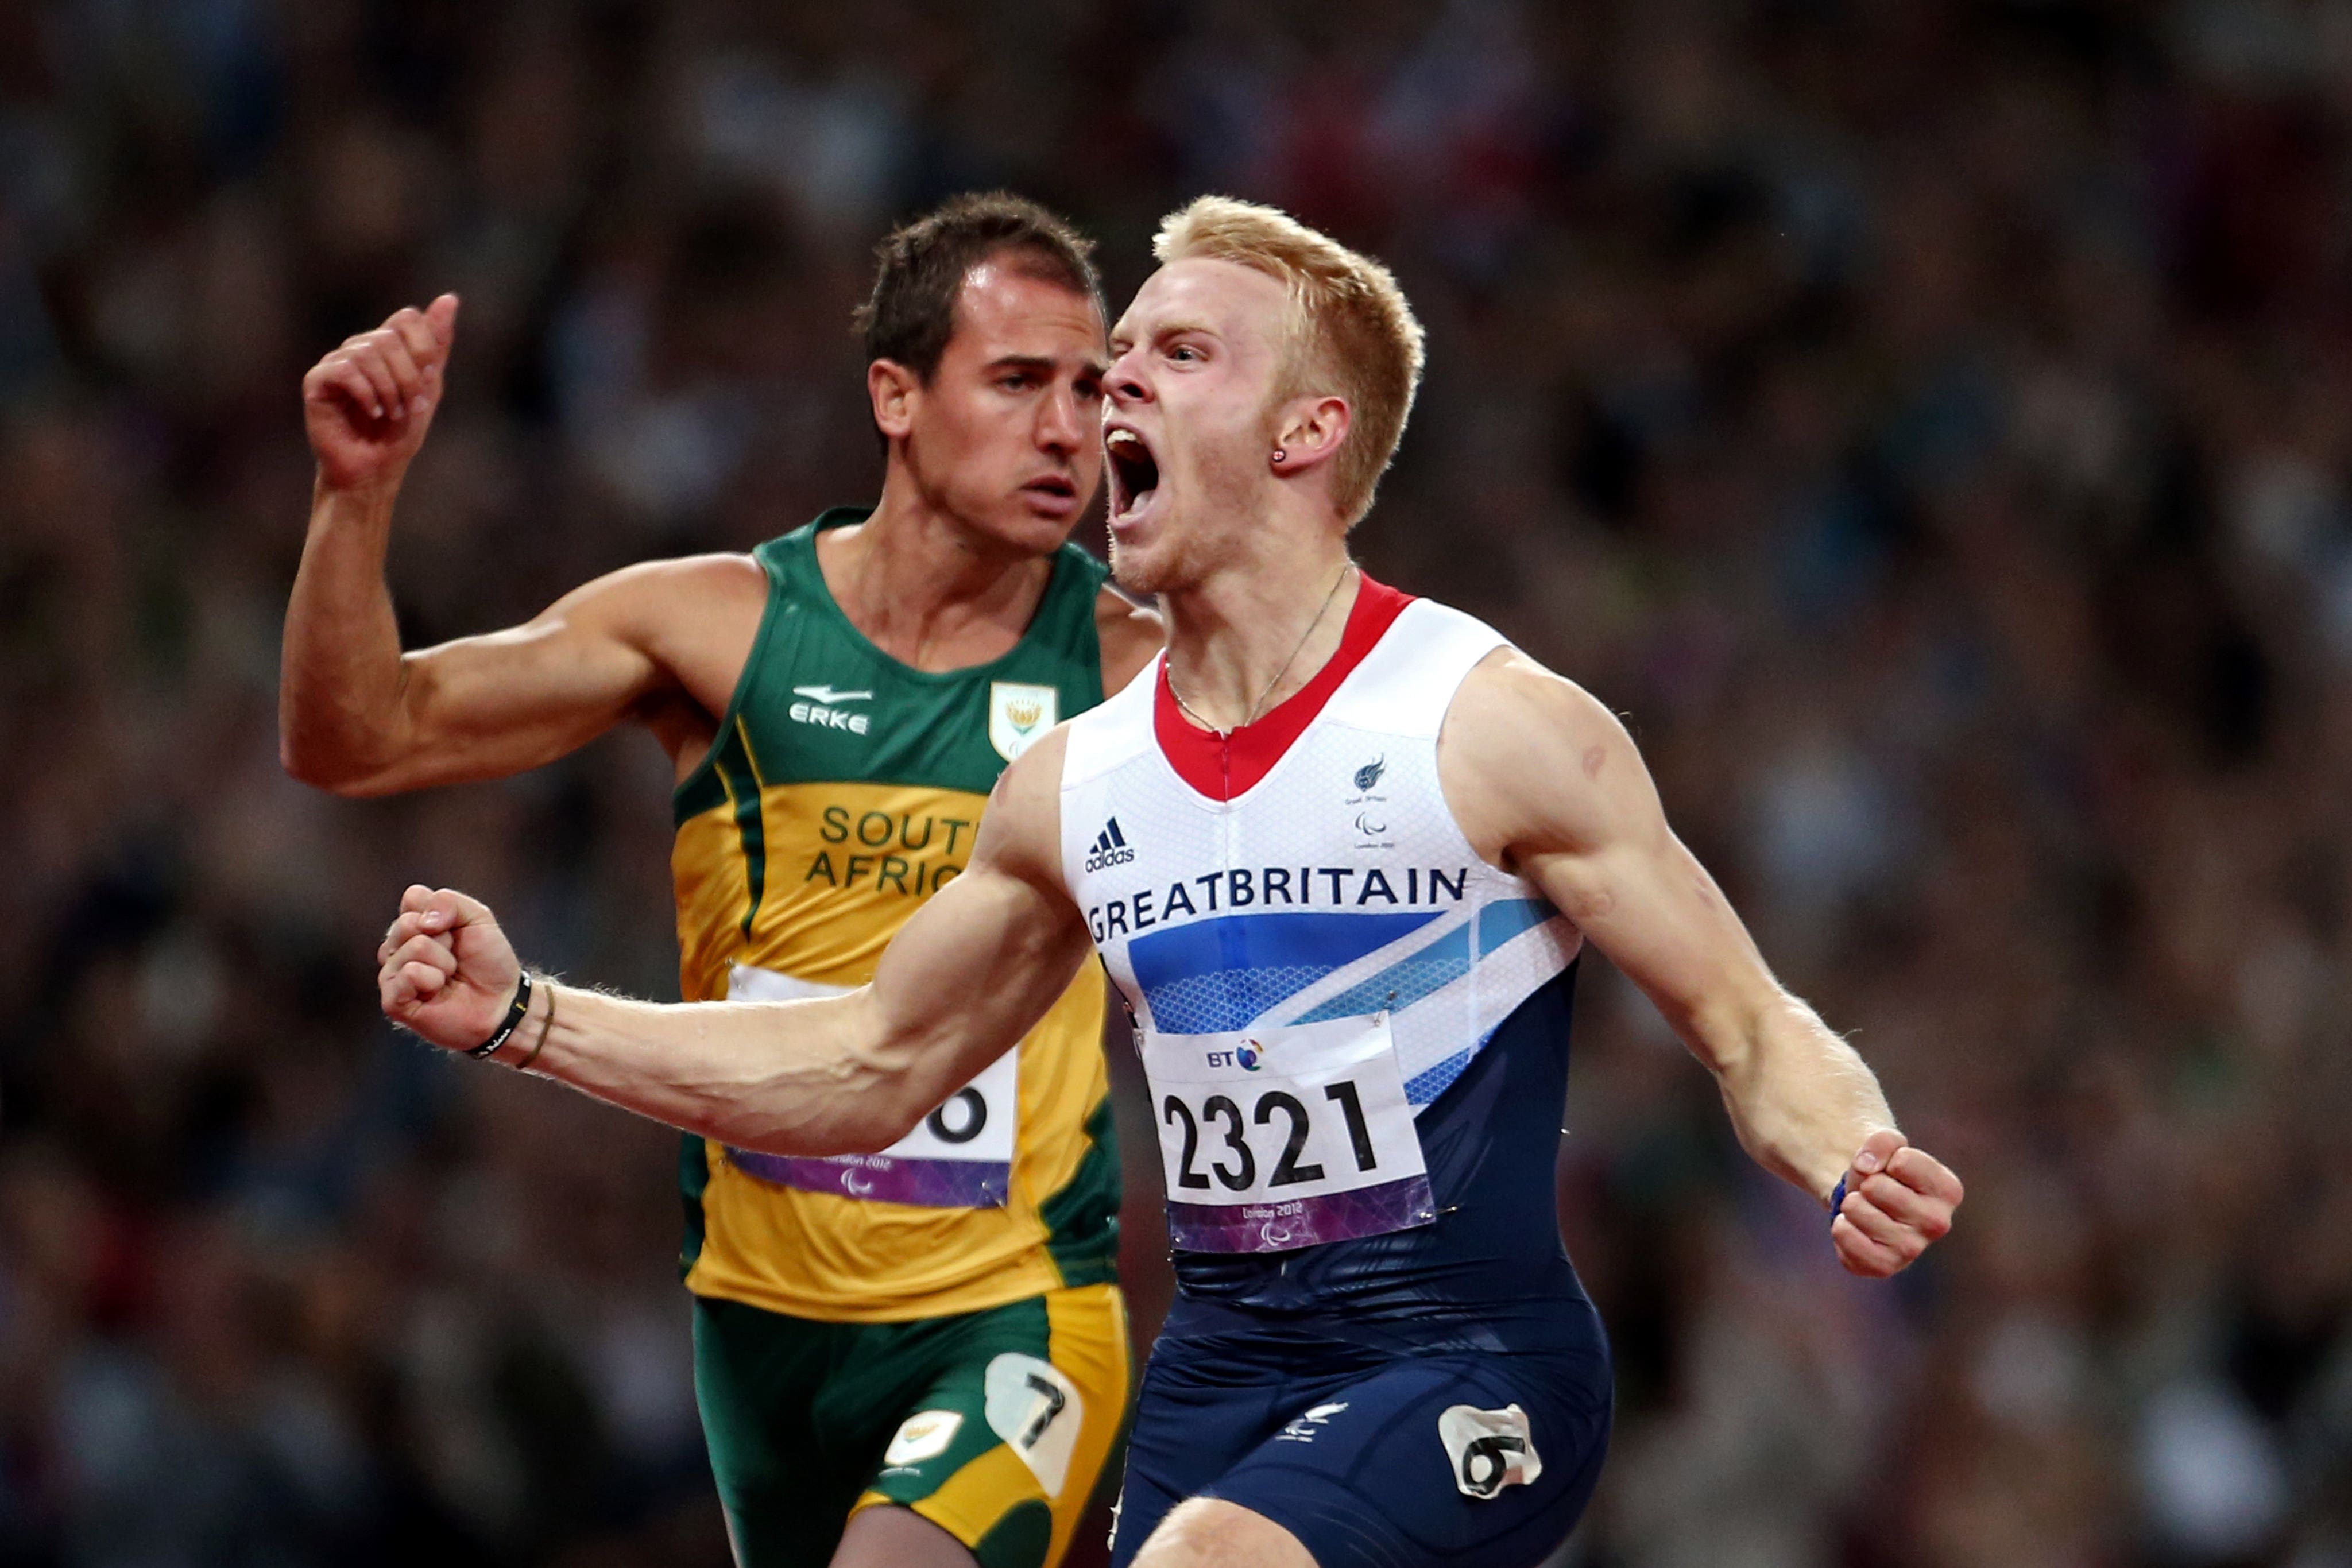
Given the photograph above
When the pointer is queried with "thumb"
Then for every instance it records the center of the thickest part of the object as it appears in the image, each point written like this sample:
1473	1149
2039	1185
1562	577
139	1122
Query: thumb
442	317
1877	1150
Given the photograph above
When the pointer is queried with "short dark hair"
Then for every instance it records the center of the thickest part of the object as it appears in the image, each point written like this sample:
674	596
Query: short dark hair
911	313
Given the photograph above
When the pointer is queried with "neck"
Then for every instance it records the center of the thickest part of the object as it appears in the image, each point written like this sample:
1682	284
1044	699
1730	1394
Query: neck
925	586
1244	638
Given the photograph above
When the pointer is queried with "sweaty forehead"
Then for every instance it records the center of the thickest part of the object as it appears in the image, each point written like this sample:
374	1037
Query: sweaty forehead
1221	297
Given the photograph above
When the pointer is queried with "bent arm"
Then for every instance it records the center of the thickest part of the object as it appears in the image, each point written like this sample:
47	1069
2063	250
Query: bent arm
1553	783
359	716
975	970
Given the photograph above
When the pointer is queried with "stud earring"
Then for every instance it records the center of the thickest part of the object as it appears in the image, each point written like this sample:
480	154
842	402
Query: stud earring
1278	455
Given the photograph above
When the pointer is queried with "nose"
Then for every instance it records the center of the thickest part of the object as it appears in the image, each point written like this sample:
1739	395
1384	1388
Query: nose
1060	431
1123	383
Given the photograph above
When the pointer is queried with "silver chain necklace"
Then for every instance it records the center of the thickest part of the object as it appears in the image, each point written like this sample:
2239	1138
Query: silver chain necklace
1251	717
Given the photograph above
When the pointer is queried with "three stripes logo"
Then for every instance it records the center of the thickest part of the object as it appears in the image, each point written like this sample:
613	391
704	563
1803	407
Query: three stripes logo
1109	848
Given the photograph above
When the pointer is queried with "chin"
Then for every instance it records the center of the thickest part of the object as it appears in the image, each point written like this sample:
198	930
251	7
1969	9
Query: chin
1017	528
1146	569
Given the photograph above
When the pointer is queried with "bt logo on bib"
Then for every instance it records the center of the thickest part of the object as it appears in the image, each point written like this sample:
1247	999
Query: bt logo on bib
1249	1056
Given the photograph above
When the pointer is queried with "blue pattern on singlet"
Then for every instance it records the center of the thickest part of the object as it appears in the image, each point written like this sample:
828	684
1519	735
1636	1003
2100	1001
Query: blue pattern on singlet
1490	1273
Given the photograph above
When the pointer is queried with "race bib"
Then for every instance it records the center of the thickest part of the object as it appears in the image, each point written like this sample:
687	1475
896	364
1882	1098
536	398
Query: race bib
1285	1137
959	1156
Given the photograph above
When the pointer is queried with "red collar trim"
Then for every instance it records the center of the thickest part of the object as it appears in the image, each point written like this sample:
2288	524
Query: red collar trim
1224	766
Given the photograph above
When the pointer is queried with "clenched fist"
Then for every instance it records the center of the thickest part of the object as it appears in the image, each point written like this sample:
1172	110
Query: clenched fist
446	971
366	406
1898	1200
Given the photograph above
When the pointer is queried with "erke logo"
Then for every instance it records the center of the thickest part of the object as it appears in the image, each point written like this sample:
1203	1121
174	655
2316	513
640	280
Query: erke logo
1109	848
823	708
924	1434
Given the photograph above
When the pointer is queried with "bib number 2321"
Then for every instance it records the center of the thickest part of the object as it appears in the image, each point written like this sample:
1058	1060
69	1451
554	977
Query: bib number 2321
1286	1137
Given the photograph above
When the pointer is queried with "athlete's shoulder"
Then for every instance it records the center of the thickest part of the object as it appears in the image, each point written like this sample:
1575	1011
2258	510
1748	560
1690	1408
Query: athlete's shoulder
1506	686
658	594
1131	635
1408	677
1085	567
784	557
1529	757
1021	830
1117	732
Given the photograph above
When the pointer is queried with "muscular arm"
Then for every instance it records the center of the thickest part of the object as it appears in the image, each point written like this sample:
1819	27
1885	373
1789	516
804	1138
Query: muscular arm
964	981
1546	783
359	716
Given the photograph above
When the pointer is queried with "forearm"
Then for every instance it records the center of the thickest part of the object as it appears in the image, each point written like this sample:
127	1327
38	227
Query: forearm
784	1078
340	682
1802	1099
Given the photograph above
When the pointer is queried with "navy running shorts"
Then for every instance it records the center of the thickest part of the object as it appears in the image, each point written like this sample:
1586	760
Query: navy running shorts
1371	1458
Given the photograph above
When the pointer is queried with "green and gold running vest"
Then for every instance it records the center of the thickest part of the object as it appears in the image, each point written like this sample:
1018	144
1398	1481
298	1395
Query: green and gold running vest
843	789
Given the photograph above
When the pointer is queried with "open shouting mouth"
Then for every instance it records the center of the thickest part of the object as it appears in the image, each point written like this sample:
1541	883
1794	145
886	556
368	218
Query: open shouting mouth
1134	472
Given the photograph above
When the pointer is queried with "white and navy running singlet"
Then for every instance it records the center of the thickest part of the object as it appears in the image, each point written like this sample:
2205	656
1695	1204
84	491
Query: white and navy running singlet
1317	961
1356	1036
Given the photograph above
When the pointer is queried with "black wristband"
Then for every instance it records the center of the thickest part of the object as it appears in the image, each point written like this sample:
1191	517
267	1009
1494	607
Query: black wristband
513	1019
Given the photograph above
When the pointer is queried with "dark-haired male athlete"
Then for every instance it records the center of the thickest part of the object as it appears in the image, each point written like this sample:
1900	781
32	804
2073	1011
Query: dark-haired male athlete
1340	852
937	1325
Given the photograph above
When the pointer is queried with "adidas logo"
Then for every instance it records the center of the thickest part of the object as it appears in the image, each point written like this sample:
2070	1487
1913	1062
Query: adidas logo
1110	848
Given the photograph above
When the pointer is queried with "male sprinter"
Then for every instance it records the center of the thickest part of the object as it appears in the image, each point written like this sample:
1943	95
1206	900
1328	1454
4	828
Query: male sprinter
936	1326
1338	852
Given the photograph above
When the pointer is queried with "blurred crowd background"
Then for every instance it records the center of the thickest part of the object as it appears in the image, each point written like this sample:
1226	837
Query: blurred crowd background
1928	422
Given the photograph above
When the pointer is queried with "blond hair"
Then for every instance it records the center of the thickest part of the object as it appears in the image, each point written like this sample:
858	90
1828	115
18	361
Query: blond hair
1350	331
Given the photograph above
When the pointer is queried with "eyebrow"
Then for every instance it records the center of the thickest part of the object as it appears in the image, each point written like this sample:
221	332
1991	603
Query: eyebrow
1045	364
1165	330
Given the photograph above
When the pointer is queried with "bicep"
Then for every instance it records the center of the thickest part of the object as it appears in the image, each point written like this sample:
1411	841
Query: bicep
503	702
1561	796
975	970
981	962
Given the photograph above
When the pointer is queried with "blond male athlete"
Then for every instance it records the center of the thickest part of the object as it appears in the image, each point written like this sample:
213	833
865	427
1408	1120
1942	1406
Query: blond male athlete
936	1326
1338	852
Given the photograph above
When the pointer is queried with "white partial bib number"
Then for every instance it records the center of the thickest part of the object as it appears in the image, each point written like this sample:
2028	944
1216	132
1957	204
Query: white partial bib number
1269	1137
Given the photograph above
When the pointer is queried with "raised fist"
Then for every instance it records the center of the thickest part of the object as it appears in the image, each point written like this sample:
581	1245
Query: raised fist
448	973
1898	1202
366	406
